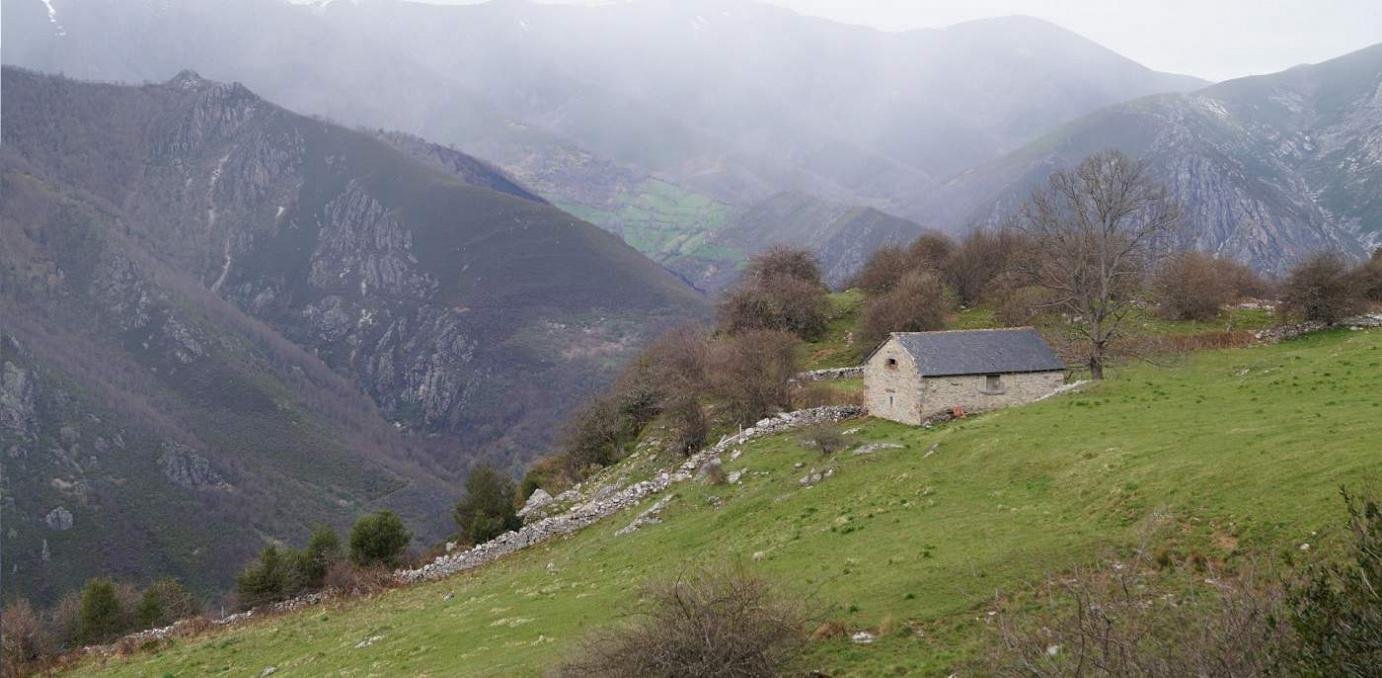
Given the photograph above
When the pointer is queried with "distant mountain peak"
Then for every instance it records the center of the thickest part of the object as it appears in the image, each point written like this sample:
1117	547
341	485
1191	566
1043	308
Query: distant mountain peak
189	79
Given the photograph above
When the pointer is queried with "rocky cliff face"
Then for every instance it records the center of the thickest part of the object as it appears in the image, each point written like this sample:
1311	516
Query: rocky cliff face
1269	168
279	320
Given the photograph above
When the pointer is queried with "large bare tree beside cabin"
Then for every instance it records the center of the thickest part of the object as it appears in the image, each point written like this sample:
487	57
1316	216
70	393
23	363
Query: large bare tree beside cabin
1097	228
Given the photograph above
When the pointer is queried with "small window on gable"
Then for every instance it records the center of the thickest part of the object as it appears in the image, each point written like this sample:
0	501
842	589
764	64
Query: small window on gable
892	363
993	383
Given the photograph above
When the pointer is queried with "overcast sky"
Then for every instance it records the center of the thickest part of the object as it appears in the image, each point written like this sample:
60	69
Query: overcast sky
1213	39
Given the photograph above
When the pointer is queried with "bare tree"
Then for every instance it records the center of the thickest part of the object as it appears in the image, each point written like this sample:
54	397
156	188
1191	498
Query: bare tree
1096	229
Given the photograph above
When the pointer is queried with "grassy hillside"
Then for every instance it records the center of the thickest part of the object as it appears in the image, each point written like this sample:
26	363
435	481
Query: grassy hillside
1244	450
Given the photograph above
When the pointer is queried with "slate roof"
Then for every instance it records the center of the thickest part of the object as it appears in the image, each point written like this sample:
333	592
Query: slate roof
1005	351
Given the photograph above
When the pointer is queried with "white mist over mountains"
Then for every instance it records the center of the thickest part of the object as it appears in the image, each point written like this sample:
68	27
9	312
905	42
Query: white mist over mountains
1215	40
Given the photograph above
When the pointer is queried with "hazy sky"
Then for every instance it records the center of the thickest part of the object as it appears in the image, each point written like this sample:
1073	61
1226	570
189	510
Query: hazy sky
1214	39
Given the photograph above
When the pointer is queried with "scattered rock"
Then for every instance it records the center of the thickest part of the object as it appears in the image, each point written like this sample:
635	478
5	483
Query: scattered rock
861	638
831	374
652	516
537	501
368	642
268	671
59	519
735	476
874	447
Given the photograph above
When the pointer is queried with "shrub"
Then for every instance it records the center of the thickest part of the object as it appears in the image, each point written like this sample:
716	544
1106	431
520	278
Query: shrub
593	435
65	620
548	473
780	290
883	269
1370	277
1337	610
486	511
102	614
827	439
752	373
1118	620
713	624
1321	289
378	539
347	579
26	640
323	550
1022	306
1190	286
785	304
916	304
268	579
164	602
976	266
687	424
931	250
781	261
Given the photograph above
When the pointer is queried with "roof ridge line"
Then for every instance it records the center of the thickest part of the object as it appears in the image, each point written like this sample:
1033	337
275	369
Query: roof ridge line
976	330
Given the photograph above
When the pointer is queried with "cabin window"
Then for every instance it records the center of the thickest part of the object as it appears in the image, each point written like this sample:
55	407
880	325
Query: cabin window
892	363
993	383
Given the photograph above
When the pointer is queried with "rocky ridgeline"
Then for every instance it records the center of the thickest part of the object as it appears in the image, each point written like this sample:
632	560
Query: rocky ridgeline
605	503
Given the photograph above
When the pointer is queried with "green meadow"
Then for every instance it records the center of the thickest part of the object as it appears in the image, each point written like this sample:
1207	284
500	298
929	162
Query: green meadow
1242	450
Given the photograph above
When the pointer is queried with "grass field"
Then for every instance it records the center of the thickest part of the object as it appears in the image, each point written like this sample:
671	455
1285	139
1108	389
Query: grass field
1244	449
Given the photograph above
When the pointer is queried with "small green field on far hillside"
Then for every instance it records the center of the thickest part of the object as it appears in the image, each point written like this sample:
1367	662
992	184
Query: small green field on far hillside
1244	450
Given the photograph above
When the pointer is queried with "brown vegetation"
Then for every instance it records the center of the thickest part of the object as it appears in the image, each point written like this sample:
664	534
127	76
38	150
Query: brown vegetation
916	303
751	374
721	623
1322	288
781	289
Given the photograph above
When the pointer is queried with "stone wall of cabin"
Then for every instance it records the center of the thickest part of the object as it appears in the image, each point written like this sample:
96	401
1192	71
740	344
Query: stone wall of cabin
971	393
893	392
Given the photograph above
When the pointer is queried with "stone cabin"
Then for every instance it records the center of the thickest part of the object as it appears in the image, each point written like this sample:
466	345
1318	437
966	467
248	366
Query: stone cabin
915	375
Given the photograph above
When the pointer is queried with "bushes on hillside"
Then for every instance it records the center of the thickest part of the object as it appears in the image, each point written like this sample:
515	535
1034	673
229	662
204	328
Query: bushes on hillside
1337	609
164	602
267	580
1322	288
379	539
486	511
1142	617
916	303
1189	287
750	374
780	289
103	615
720	623
1370	277
280	573
27	641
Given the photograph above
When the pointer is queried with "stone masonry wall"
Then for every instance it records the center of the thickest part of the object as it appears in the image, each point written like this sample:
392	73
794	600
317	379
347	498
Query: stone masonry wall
893	392
970	391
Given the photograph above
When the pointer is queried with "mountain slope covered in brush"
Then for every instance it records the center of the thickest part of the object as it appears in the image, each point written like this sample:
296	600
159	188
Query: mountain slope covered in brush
215	307
1269	168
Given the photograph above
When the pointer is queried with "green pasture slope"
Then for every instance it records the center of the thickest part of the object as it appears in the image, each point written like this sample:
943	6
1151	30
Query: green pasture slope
1245	451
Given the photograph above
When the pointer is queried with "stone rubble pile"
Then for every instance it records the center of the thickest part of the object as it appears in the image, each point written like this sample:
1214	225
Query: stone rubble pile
610	501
